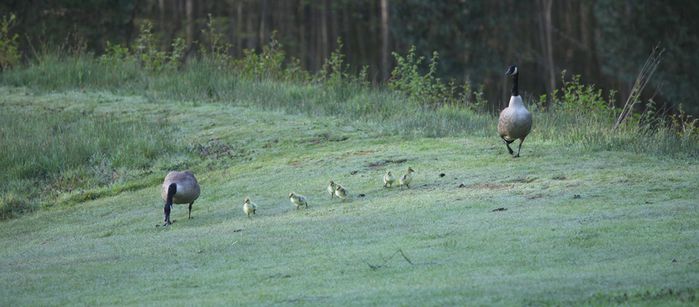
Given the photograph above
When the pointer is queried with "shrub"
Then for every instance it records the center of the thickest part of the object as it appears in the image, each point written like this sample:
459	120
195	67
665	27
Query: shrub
216	48
9	52
12	205
427	89
153	59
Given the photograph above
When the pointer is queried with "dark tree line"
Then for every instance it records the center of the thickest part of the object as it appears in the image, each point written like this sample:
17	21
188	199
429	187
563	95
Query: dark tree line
605	41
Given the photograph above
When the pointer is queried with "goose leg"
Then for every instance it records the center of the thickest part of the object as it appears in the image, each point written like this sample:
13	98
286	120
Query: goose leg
507	143
520	147
166	210
189	216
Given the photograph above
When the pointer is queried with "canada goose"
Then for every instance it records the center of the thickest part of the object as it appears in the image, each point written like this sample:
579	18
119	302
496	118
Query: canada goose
249	207
298	200
515	121
179	188
331	189
407	178
340	192
388	179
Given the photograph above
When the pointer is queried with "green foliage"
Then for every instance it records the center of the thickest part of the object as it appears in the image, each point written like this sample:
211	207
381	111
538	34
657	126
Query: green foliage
635	213
215	47
583	117
580	115
407	79
9	53
151	57
630	31
685	125
46	148
334	70
13	205
336	78
269	64
115	54
583	99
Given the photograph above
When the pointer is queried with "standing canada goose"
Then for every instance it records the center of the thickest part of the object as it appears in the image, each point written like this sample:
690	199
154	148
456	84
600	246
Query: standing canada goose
407	178
515	121
179	188
298	200
388	179
340	192
331	189
249	207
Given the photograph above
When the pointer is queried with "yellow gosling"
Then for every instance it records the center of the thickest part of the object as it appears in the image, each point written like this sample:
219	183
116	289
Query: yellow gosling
341	192
298	200
249	207
331	189
388	179
407	178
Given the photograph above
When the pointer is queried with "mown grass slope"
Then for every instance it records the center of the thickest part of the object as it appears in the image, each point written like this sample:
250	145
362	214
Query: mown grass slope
577	226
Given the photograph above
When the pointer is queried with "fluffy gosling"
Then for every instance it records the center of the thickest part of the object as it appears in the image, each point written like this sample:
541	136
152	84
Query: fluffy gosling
331	189
341	192
298	200
249	207
388	179
407	178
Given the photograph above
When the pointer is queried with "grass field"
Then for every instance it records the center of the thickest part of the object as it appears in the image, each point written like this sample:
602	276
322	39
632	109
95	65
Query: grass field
589	227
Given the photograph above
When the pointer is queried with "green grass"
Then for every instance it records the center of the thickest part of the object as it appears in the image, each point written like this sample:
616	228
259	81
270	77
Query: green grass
630	237
48	142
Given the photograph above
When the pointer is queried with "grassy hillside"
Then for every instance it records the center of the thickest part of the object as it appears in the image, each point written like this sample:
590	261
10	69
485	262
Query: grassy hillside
581	224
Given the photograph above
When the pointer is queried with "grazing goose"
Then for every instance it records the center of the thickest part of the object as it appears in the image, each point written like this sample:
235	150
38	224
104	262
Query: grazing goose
515	121
340	192
179	188
407	178
388	179
249	207
331	189
298	200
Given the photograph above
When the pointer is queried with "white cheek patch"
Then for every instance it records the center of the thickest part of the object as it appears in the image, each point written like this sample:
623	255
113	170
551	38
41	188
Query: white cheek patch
515	72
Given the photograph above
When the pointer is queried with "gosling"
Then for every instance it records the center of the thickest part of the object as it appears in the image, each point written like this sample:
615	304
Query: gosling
515	120
179	188
298	200
341	192
331	189
388	179
407	178
249	207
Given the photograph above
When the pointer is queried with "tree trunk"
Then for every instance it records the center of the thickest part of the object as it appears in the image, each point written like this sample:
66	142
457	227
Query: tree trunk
302	35
545	30
324	30
249	32
263	22
132	25
189	8
385	68
238	31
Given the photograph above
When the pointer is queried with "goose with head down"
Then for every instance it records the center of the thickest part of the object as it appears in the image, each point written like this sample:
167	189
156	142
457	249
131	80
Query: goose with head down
179	188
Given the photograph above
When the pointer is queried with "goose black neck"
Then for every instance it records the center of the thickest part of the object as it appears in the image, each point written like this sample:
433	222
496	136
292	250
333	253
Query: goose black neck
515	81
171	190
